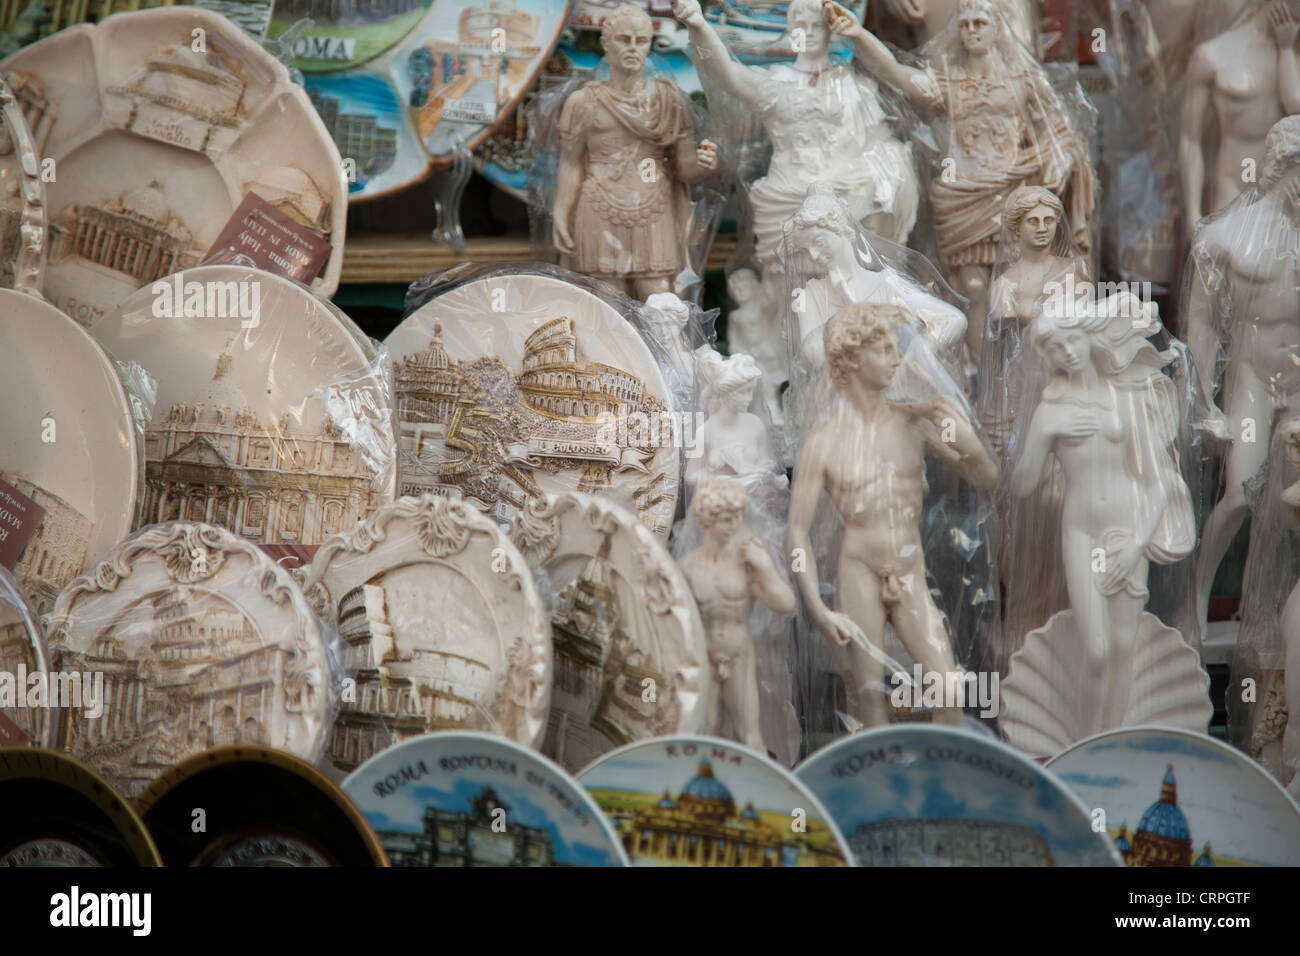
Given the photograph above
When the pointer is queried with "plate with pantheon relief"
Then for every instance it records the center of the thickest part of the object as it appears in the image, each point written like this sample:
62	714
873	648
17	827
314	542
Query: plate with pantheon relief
69	450
275	425
159	123
201	640
442	628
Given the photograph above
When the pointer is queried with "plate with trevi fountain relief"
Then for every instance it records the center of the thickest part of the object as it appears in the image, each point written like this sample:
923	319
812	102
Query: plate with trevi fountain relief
22	200
270	419
630	659
69	452
160	124
519	384
442	628
202	640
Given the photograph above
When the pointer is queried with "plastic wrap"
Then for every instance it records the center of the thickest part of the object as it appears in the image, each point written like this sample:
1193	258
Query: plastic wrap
1111	426
624	181
274	414
443	625
1260	698
898	542
188	637
515	381
25	707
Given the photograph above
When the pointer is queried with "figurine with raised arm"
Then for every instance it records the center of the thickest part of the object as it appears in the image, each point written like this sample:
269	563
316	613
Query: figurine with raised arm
1239	83
1246	281
628	154
733	442
825	121
1005	127
1110	417
870	458
727	576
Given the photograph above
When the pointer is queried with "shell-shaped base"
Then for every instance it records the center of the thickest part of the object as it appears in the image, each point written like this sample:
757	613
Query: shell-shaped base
1047	705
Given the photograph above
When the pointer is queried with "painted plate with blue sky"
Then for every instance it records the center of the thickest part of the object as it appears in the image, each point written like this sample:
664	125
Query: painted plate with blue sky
940	796
471	799
701	801
1177	798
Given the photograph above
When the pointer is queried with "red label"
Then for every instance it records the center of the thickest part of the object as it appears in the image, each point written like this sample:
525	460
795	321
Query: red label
272	240
11	735
19	519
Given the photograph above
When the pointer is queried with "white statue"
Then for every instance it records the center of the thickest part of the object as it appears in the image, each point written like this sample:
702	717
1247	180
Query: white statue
1291	621
727	577
733	442
870	458
668	319
753	332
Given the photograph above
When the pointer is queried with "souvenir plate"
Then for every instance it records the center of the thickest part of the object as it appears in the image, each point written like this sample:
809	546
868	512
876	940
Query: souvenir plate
157	135
701	801
407	97
1177	798
467	799
630	655
25	715
517	385
67	444
58	812
199	640
443	627
269	419
942	796
22	200
261	808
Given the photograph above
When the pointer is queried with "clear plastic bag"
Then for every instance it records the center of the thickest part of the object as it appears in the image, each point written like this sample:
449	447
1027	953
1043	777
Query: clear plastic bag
26	710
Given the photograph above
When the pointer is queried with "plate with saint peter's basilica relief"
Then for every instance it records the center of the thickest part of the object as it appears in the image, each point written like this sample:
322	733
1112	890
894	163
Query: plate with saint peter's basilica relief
159	124
201	640
273	425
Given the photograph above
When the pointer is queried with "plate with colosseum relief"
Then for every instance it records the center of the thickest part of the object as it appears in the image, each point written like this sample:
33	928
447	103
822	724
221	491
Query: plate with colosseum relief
630	659
516	385
160	123
687	800
270	418
69	455
459	798
24	702
1172	797
22	200
201	640
442	628
943	796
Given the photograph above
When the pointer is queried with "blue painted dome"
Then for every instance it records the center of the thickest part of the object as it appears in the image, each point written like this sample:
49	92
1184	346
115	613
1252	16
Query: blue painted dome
667	803
1204	859
750	813
705	785
1163	818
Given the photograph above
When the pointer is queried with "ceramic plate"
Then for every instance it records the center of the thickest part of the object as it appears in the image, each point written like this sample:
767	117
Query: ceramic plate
1177	798
517	385
274	425
156	143
466	799
22	654
262	808
402	87
67	442
630	654
941	796
200	640
443	626
22	201
700	801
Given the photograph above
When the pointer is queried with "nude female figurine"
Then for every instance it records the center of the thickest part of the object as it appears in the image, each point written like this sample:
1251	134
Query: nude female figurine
752	332
1005	128
733	442
1246	281
1110	417
622	210
1239	83
870	458
727	577
825	122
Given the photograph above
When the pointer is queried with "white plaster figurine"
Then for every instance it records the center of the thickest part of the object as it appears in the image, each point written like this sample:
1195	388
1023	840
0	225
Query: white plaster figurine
1247	277
622	210
727	576
752	331
825	121
929	18
1005	127
732	442
1290	624
870	458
